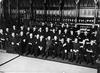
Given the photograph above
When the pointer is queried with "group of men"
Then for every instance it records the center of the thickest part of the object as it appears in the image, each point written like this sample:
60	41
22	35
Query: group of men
51	40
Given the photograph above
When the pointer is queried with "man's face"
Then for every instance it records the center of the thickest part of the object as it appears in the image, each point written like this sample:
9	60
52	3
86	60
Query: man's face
68	40
65	30
55	38
7	29
13	34
34	28
37	36
31	35
47	29
59	31
76	40
21	33
49	38
28	28
21	27
14	27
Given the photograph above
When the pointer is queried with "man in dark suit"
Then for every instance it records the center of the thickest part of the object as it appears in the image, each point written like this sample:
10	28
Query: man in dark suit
49	47
42	45
76	47
36	46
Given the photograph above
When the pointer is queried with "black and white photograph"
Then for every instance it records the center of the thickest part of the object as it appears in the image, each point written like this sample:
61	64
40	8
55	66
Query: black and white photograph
49	36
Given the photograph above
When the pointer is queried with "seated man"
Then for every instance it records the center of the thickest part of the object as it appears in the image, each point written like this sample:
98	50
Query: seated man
49	47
